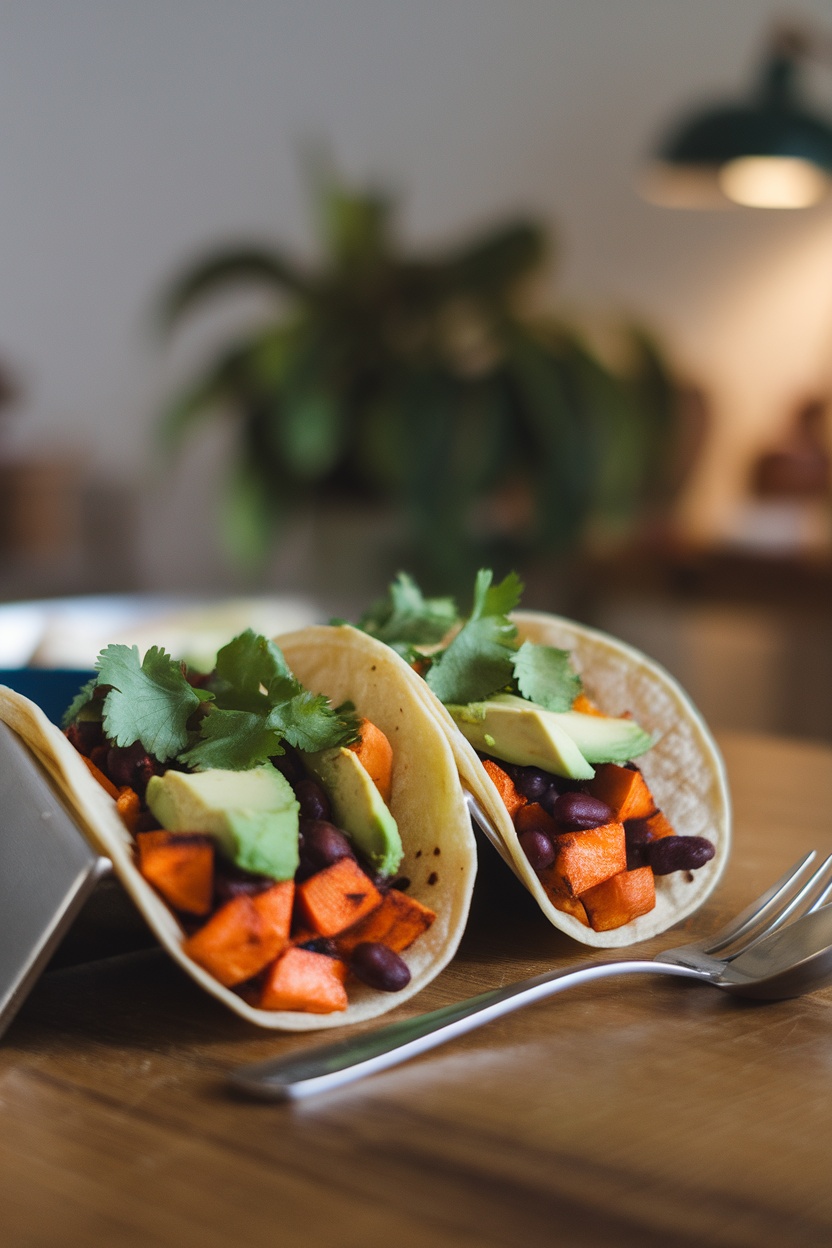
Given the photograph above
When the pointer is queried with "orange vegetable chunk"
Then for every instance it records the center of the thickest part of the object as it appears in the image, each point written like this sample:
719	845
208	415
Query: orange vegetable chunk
180	867
98	774
625	792
583	704
129	807
303	980
503	783
653	828
396	923
335	898
571	905
244	935
376	756
533	818
620	899
584	859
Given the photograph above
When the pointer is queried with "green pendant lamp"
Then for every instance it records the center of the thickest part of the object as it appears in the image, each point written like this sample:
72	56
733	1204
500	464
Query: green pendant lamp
768	152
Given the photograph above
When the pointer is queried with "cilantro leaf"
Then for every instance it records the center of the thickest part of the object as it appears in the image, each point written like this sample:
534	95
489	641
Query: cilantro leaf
246	666
406	618
149	701
545	675
477	663
234	741
82	698
310	723
495	599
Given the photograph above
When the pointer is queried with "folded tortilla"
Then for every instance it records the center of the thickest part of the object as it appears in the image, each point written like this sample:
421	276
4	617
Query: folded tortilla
684	770
427	802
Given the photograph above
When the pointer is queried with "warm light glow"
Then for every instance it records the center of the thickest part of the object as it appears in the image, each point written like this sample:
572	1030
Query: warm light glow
681	186
773	182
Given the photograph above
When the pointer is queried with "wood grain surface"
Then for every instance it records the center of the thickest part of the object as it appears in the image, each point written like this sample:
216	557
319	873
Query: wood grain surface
628	1112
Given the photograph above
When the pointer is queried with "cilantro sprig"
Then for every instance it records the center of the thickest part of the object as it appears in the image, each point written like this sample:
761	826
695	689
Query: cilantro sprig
244	713
484	655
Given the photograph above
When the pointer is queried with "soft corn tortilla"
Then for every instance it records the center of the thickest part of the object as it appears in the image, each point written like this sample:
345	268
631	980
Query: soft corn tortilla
684	770
427	802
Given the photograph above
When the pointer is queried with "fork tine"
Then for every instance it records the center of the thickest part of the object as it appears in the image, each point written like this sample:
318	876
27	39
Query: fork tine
801	903
769	902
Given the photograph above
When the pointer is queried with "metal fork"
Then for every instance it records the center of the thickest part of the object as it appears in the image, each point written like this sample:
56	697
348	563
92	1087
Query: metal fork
779	946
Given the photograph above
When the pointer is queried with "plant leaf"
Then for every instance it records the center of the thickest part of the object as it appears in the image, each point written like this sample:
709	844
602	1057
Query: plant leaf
149	700
545	675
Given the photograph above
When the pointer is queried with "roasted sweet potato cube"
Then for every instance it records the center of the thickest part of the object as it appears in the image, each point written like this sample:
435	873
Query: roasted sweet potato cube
620	899
584	859
396	923
376	755
303	980
570	905
335	898
533	818
624	790
244	935
180	866
129	807
503	783
585	706
653	828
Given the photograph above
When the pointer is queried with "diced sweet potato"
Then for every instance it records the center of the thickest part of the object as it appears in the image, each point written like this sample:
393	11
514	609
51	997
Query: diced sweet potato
620	899
653	828
624	790
376	755
180	867
533	818
303	980
129	807
503	783
244	935
584	859
570	905
396	923
583	704
98	774
335	898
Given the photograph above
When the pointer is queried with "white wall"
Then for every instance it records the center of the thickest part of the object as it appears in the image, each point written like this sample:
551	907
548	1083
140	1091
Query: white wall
132	135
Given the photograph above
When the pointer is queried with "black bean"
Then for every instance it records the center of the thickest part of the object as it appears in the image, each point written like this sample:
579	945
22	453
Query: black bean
322	844
678	853
379	967
289	765
85	735
538	849
231	882
314	803
532	782
550	796
578	812
124	761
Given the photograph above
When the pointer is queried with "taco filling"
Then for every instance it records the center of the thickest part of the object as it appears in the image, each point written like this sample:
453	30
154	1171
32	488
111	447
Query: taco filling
260	814
564	769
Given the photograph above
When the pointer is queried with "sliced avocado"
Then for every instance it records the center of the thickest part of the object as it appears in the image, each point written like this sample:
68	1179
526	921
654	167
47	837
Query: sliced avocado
358	807
599	738
252	815
521	732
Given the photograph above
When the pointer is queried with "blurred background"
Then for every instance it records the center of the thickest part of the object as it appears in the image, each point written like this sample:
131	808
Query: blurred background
292	296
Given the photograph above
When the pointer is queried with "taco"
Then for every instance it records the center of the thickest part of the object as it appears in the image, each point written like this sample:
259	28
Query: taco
606	788
330	887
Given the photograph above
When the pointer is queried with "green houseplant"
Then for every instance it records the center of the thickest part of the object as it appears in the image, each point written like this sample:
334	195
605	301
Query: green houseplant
416	379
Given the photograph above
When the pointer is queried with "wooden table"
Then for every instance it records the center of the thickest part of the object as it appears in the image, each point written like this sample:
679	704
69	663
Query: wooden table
644	1112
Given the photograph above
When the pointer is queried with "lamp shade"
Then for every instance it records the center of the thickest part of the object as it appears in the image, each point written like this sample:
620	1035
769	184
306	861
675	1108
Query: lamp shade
768	152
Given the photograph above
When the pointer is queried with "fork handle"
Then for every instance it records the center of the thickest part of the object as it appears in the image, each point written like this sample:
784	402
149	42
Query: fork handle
332	1065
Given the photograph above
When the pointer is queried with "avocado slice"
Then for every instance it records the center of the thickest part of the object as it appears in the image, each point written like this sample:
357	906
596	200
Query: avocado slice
596	738
358	807
252	815
526	734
